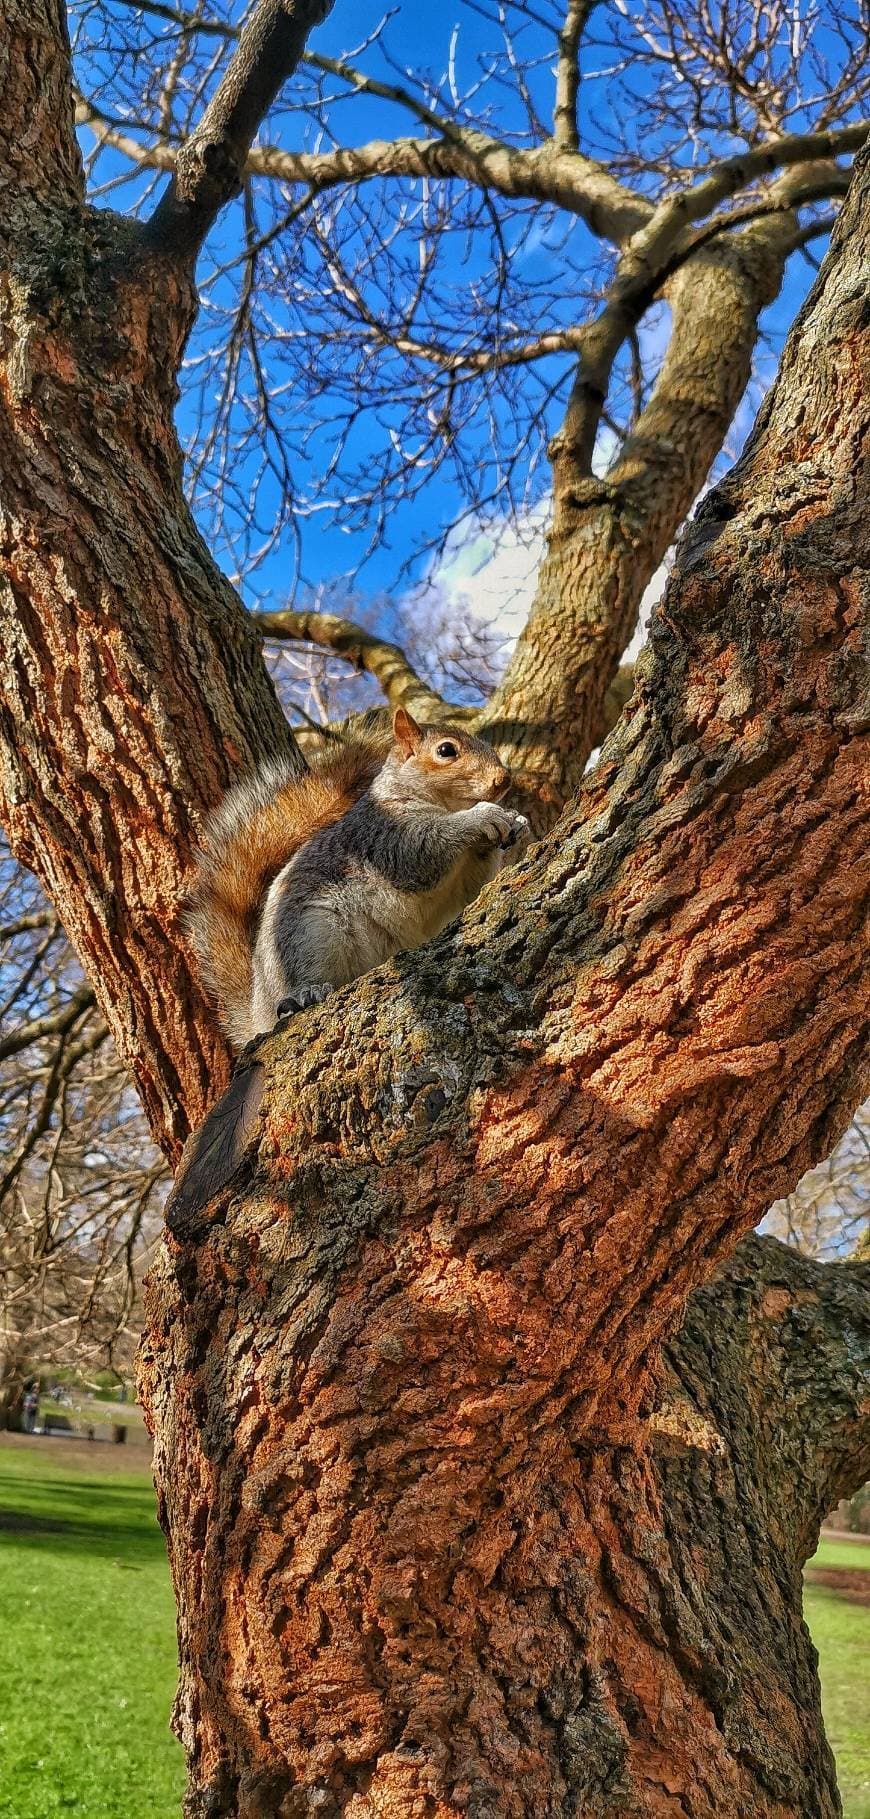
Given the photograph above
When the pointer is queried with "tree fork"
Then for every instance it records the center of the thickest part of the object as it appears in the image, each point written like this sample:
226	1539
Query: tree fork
400	1364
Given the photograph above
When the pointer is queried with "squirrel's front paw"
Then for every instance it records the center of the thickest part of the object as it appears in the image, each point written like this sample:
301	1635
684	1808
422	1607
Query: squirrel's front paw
501	826
302	999
522	835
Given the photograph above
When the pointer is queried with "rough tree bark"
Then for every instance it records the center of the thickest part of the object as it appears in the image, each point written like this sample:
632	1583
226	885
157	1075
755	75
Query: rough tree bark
447	1536
133	687
438	1547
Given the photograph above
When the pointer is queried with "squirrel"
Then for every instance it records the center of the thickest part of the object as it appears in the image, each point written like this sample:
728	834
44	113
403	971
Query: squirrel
306	881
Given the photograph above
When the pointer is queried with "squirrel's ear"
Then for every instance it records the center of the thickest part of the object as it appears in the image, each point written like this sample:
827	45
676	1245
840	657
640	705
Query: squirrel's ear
406	732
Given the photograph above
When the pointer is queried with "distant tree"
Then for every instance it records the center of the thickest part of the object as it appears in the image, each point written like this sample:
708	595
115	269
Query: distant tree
828	1215
462	1519
81	1186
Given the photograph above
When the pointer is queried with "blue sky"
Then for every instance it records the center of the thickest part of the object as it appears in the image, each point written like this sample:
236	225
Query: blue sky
550	258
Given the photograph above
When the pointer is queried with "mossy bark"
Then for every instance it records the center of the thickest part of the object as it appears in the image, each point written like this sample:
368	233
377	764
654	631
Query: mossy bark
433	1554
443	1540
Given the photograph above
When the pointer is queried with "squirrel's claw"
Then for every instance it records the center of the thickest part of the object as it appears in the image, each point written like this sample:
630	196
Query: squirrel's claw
302	1000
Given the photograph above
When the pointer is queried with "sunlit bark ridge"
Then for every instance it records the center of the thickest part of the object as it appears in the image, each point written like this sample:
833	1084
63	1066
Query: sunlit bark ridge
402	1364
447	1532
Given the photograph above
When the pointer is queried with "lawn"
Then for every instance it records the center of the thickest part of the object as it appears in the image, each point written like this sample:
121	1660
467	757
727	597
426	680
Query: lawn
840	1628
87	1642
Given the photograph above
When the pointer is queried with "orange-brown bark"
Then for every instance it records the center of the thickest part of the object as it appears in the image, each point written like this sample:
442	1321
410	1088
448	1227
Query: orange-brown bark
399	1361
133	688
445	1538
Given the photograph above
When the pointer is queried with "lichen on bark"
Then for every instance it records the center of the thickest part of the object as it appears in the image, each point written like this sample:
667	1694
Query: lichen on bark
402	1363
447	1537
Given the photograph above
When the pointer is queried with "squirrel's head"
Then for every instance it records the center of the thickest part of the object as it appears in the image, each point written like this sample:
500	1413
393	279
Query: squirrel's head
443	764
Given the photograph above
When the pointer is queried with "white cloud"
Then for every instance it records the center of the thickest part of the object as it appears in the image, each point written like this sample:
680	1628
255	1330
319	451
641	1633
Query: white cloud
489	571
490	576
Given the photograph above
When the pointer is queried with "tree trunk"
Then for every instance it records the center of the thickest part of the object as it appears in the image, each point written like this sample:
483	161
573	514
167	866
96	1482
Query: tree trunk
133	688
440	1545
608	1624
13	1376
432	1552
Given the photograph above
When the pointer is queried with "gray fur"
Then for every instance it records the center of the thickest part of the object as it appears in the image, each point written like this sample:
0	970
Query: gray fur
385	878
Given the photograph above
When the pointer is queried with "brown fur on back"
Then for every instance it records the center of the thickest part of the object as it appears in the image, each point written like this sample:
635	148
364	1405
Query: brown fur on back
249	838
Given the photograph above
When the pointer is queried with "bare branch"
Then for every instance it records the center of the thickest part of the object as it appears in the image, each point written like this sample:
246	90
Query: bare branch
565	131
733	174
608	207
160	155
385	661
581	185
210	165
813	230
24	925
55	1023
716	294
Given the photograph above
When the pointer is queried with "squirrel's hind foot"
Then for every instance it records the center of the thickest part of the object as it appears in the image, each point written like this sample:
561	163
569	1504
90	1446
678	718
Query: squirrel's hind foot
302	1000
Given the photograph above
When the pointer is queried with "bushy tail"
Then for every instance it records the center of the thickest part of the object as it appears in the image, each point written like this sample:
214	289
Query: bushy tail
245	846
250	837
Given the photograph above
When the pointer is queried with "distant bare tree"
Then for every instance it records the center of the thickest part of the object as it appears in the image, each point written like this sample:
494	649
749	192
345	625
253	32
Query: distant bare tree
828	1215
81	1187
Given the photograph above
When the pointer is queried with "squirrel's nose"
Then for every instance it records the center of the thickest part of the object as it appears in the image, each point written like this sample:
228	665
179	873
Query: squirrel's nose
501	786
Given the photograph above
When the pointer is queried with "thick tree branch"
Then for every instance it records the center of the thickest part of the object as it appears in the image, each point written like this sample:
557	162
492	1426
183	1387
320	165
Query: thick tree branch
775	1355
645	269
734	174
210	165
715	297
567	179
39	154
609	535
609	208
386	662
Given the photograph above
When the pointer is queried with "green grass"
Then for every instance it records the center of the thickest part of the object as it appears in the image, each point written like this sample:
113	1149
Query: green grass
87	1646
852	1554
841	1633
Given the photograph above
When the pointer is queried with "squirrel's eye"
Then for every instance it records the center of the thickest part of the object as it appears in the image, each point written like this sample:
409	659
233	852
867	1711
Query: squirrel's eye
446	749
